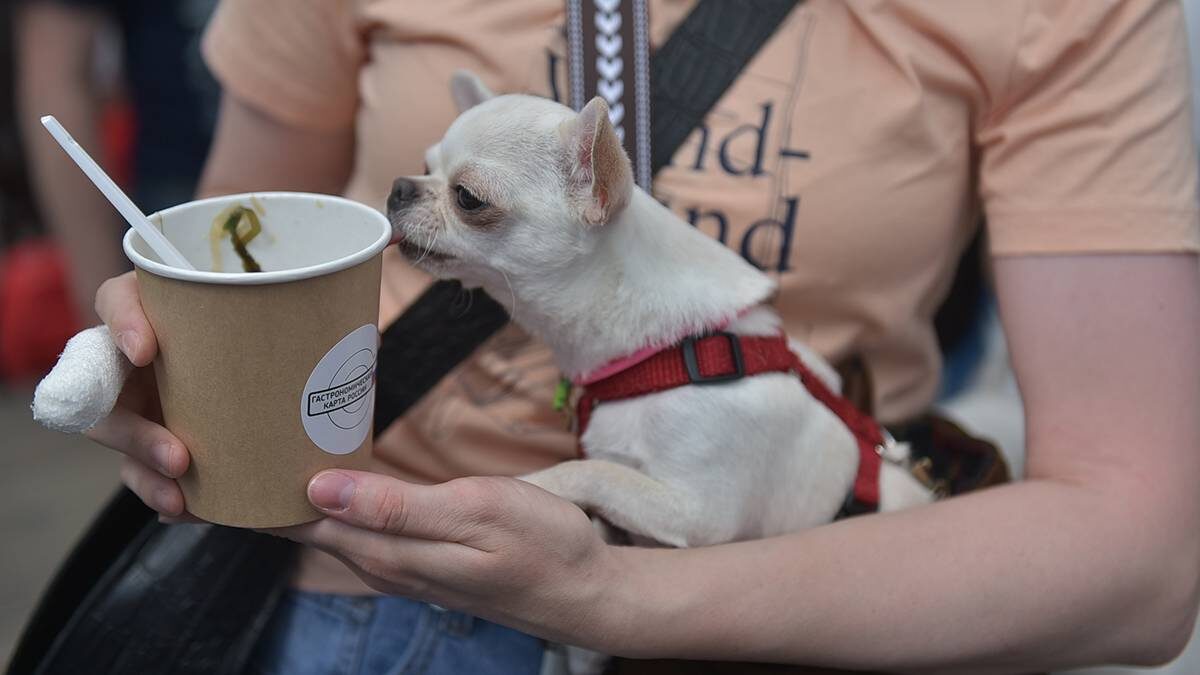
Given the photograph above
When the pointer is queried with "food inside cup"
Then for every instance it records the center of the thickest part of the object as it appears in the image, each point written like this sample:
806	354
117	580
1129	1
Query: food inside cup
241	224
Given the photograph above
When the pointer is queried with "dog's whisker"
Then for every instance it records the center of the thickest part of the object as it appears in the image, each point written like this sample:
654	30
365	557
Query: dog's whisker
462	303
433	242
513	293
426	250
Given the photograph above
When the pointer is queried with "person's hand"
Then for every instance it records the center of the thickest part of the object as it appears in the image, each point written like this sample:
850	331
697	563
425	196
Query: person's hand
153	457
497	548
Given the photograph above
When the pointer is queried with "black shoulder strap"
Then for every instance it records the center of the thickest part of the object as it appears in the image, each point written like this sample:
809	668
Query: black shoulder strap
689	73
700	61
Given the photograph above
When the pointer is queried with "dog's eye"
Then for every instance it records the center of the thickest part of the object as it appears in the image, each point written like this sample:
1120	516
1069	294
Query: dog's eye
468	201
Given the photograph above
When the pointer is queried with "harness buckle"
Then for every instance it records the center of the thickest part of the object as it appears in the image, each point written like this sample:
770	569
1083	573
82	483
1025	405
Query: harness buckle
688	346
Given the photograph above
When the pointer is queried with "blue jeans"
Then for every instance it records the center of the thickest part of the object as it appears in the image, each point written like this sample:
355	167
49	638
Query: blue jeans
319	634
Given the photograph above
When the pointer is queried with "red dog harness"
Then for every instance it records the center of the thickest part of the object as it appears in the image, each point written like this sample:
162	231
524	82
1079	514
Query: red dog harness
724	357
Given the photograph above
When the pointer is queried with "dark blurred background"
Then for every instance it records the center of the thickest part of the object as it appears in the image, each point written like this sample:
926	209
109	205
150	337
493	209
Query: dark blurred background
126	78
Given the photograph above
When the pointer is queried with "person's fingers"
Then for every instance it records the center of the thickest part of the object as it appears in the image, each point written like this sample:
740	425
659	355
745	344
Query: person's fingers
448	512
159	493
120	308
184	519
386	556
344	538
148	443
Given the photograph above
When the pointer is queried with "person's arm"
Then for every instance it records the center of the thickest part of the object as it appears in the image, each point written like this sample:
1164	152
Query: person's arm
55	43
1094	558
255	151
251	151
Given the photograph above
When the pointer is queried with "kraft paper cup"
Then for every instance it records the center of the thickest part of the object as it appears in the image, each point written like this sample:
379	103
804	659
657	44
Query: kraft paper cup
266	377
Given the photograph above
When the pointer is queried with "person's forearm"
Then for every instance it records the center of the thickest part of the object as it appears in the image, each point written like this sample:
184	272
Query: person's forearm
54	48
975	583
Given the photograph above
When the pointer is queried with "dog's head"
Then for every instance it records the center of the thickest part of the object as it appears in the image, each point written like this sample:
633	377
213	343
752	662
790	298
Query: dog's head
519	185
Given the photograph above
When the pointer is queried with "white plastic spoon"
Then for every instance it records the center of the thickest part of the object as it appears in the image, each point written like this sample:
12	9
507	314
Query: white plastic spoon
150	234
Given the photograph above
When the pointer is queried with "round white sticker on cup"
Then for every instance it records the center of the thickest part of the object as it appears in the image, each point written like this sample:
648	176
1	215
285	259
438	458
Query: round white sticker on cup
338	402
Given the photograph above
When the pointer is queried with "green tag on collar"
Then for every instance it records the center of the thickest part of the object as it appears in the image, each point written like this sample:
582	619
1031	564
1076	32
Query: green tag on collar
561	394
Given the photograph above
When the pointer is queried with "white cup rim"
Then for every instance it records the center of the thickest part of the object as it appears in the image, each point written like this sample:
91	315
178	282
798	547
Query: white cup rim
261	278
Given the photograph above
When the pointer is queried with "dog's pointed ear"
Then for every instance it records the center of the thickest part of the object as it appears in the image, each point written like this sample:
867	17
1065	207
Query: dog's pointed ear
468	90
601	175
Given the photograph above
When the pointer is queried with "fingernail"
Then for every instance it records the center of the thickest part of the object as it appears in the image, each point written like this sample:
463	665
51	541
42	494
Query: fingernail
162	456
129	342
331	491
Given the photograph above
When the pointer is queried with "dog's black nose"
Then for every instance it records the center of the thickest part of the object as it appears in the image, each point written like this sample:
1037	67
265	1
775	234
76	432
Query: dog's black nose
403	190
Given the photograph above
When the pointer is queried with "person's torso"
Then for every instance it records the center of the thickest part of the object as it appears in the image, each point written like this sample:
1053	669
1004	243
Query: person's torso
840	162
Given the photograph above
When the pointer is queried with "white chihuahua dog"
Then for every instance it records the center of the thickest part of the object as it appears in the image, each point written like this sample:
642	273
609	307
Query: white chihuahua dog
536	204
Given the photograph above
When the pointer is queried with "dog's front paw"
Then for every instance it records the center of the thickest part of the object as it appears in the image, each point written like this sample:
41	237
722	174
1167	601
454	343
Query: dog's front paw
558	480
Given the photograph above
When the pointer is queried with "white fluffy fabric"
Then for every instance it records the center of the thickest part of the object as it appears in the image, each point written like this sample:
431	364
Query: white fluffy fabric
84	385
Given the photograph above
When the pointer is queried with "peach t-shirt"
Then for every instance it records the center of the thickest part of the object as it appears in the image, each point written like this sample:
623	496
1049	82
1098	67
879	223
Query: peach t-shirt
850	161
